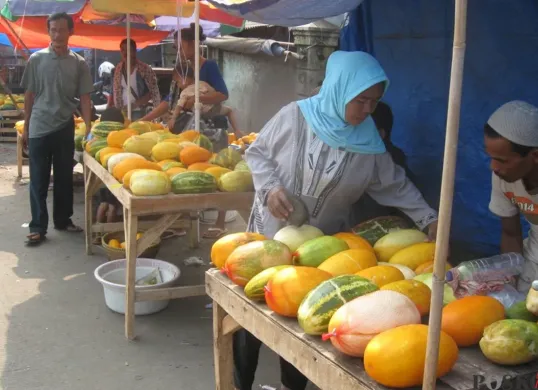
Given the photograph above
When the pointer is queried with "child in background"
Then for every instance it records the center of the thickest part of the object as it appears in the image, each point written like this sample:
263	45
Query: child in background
109	206
187	92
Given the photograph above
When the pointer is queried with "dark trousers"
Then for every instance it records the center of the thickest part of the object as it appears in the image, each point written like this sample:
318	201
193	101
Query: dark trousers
246	350
52	150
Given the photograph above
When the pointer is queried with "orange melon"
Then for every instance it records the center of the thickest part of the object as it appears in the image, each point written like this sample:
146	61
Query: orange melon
357	322
465	319
354	241
201	166
250	259
417	291
382	274
174	171
127	178
426	268
349	262
287	288
129	164
396	358
223	247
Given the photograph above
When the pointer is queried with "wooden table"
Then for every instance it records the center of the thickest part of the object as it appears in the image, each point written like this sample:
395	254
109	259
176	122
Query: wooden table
8	118
317	360
170	207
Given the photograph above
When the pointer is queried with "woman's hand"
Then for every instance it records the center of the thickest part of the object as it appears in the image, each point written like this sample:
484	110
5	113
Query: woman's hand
279	204
171	123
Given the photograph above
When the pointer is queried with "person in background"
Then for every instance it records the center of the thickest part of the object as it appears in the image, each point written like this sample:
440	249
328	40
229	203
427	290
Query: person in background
327	151
209	73
367	208
109	206
53	79
187	92
143	84
511	140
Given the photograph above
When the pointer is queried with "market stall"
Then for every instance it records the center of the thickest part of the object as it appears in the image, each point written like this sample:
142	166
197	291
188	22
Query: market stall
318	360
170	207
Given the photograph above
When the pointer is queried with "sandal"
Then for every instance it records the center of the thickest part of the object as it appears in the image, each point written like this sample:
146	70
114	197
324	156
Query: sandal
171	233
35	239
214	233
70	228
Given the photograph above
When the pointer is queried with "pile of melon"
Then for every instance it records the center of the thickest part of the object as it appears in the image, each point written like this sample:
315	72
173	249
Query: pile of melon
365	299
150	161
6	104
242	143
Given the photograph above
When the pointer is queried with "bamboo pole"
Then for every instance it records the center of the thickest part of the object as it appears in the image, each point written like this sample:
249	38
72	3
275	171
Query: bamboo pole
128	72
197	105
447	194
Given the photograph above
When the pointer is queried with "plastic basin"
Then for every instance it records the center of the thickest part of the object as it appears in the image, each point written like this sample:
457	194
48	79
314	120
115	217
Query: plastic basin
112	276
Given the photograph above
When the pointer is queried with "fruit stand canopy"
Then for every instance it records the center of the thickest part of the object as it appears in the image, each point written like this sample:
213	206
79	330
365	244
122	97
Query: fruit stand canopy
33	33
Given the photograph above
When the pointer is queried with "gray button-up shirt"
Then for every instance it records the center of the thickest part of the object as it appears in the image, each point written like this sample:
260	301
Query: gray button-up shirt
55	81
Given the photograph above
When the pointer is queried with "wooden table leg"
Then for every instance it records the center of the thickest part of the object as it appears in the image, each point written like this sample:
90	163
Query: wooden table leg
194	231
88	210
131	244
19	156
223	348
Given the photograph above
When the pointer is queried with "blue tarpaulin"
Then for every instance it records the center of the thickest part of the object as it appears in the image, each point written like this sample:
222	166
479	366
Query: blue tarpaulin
285	12
413	41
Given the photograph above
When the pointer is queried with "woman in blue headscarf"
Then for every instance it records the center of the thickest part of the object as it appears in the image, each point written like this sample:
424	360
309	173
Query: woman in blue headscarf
327	151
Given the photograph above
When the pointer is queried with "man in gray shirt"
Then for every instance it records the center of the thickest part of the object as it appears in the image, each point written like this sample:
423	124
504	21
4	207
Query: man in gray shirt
53	79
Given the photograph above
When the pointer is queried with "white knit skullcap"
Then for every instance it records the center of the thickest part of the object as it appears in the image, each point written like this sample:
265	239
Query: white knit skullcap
517	121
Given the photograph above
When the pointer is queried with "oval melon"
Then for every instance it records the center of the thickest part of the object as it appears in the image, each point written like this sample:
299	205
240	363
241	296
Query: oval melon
396	358
407	272
417	291
415	255
236	181
381	274
314	252
250	259
223	247
288	287
354	241
465	319
349	262
357	322
395	241
294	236
255	288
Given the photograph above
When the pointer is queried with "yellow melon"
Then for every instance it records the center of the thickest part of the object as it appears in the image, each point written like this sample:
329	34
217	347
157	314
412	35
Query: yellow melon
349	262
414	255
417	291
382	274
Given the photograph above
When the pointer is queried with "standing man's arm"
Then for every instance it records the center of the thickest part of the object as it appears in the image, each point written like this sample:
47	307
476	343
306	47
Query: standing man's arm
500	205
30	86
511	236
85	87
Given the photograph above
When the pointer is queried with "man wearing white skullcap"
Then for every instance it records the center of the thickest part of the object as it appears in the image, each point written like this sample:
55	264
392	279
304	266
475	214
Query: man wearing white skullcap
511	138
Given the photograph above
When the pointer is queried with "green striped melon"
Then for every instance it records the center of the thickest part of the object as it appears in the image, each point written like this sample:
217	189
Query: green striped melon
101	129
242	166
250	259
193	182
204	142
321	303
228	158
255	288
96	146
79	147
376	228
314	252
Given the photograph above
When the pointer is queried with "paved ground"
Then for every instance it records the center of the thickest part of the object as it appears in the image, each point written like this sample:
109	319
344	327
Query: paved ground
56	332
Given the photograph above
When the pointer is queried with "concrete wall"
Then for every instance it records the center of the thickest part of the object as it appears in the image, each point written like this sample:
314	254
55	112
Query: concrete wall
259	85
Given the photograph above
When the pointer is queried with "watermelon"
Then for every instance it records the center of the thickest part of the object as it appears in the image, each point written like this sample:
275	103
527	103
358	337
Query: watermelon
242	166
193	182
255	288
96	145
321	303
250	259
7	107
204	142
101	129
314	252
376	228
78	143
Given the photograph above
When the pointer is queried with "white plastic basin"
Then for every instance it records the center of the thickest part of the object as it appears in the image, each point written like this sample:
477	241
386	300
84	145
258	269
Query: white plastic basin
112	276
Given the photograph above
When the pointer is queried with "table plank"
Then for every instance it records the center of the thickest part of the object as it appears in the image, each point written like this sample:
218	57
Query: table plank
319	361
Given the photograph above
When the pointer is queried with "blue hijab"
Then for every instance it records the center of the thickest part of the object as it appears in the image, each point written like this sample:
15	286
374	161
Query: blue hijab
348	74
